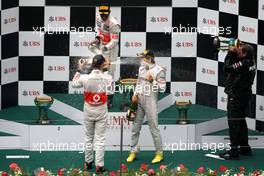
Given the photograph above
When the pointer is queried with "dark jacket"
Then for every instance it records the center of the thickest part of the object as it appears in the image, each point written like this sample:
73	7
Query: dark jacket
239	74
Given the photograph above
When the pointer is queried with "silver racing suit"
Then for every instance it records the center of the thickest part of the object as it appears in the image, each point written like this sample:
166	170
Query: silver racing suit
95	112
147	103
108	33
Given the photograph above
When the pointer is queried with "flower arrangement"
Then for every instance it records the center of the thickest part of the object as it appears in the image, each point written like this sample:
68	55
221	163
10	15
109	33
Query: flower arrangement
143	170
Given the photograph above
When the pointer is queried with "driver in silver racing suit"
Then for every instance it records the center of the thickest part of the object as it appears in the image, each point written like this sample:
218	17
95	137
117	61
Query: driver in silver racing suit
151	80
107	38
95	110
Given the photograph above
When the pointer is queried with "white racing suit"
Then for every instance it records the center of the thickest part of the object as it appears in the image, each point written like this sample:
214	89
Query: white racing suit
95	112
108	33
147	103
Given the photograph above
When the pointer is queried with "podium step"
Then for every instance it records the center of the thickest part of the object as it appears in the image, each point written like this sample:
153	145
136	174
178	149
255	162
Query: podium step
9	141
256	139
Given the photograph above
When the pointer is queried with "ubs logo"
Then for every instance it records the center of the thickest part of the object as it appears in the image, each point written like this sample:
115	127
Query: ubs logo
184	44
208	71
209	21
57	18
10	70
230	1
183	94
161	19
30	93
31	43
133	44
56	68
248	29
10	20
81	44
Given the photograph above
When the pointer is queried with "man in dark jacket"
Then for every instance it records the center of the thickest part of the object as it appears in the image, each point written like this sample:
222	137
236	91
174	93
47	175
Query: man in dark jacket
239	68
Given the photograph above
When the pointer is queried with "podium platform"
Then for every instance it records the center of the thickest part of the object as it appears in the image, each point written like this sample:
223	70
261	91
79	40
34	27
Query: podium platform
67	125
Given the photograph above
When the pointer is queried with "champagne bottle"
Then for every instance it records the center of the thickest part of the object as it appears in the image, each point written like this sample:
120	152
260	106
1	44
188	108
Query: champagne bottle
132	111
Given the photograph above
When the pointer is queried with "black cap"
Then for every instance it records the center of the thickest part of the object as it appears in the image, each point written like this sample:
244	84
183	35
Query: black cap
98	60
104	6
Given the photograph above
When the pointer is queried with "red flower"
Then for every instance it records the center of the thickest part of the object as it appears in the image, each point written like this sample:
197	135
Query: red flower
123	167
4	174
215	172
75	171
181	166
112	173
201	170
14	166
242	169
256	173
223	168
42	173
162	167
60	172
143	167
151	172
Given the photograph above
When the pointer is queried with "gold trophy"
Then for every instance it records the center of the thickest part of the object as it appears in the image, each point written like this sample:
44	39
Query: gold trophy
128	85
43	103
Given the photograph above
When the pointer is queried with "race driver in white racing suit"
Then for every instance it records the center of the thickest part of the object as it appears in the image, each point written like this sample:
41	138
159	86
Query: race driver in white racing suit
151	80
95	111
107	38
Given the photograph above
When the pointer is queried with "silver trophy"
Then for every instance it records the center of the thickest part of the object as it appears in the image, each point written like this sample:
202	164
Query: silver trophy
85	65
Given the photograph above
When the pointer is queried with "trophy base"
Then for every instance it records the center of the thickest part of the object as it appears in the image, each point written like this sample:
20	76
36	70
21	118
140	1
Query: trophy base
43	122
183	122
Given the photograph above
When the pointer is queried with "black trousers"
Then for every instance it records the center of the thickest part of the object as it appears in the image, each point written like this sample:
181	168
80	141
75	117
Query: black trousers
238	131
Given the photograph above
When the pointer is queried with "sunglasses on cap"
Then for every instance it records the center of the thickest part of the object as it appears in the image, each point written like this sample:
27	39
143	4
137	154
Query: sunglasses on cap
103	13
